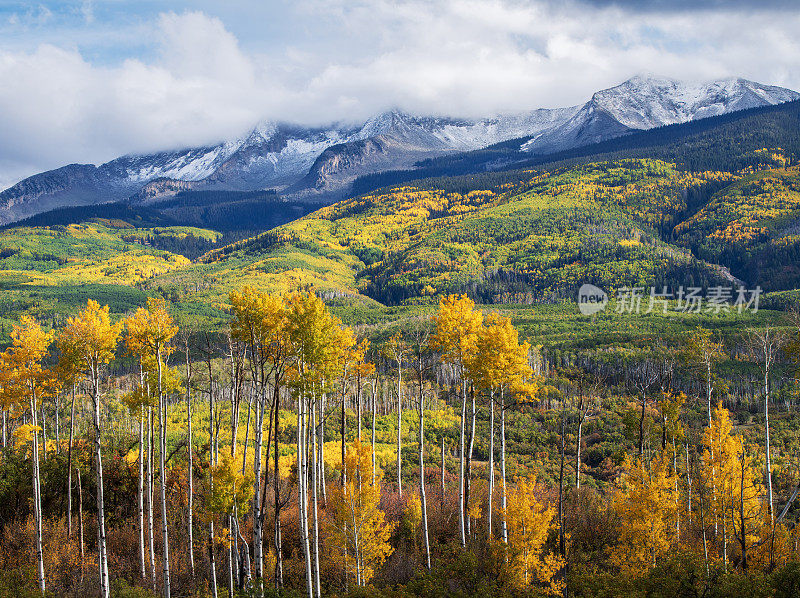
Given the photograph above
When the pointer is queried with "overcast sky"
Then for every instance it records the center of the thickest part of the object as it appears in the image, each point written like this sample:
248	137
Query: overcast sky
86	81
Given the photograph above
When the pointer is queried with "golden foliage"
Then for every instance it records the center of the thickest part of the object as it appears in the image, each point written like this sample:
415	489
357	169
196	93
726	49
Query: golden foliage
647	507
356	524
528	523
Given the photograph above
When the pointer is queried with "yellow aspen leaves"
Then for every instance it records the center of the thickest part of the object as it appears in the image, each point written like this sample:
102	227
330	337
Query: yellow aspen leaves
528	526
356	525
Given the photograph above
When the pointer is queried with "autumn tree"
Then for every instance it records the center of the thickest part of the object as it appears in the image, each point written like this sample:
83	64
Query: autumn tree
356	524
647	509
528	527
259	322
149	332
457	325
24	383
499	363
314	336
90	339
736	503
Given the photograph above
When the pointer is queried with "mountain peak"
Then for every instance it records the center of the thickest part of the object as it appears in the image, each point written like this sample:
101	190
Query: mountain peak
283	156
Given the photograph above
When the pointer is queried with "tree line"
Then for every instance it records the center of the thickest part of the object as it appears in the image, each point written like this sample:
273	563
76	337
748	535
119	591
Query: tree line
252	466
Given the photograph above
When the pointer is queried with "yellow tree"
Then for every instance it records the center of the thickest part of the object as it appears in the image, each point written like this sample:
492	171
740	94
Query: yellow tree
259	321
647	510
528	526
498	363
25	384
229	490
90	339
737	500
457	325
315	338
357	527
149	332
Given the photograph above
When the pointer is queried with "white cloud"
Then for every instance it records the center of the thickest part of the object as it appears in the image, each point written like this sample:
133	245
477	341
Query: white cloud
346	60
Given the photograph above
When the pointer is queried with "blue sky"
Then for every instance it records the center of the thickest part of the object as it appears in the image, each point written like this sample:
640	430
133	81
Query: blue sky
85	81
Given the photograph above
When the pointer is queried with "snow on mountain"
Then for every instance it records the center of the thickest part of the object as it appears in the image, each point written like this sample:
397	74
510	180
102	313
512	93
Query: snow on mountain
647	102
323	161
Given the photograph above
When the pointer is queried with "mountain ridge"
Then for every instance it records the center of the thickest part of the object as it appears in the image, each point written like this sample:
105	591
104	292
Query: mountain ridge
321	163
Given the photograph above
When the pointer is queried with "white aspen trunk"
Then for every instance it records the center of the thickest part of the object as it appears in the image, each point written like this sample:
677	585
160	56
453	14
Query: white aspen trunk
302	477
314	483
422	497
688	486
56	406
162	444
504	499
374	410
43	424
276	480
212	461
150	494
399	434
766	442
140	494
468	475
461	524
69	461
358	405
442	472
257	457
189	472
101	524
37	497
321	436
491	464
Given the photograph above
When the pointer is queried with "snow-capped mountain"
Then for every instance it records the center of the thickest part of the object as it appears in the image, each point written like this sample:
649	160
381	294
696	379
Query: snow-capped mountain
320	163
647	102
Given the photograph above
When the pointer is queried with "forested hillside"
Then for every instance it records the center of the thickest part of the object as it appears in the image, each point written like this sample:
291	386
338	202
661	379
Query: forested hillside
437	456
399	394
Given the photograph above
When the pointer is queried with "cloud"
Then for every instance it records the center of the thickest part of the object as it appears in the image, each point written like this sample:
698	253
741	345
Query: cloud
190	79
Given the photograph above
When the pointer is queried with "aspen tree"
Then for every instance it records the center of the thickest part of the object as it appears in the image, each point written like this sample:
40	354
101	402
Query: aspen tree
91	339
647	510
314	336
528	525
149	332
23	380
357	526
259	322
498	364
457	325
765	345
397	349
